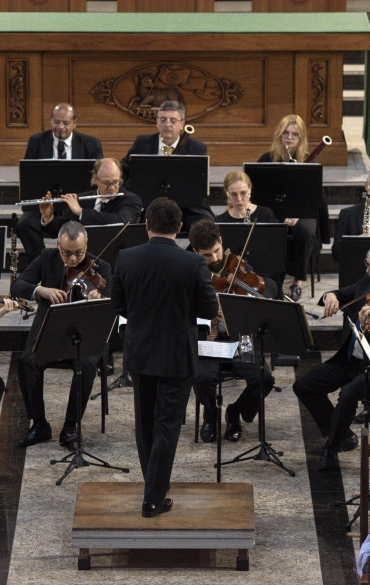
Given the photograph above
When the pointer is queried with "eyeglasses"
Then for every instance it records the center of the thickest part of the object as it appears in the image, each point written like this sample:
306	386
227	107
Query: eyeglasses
68	254
367	264
65	123
114	183
172	121
242	194
292	134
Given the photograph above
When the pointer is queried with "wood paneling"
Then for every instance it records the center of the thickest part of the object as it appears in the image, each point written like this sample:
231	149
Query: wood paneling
165	5
43	5
299	5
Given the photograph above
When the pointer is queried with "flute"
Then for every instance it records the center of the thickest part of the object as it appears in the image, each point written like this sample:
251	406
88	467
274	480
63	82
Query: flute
60	200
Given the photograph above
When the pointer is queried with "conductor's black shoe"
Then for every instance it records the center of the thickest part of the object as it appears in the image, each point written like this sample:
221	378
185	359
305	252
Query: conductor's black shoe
68	434
328	461
295	292
151	510
360	418
234	429
208	432
37	433
347	445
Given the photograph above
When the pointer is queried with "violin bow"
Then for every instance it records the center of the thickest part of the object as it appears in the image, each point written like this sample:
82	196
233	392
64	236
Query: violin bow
345	305
241	256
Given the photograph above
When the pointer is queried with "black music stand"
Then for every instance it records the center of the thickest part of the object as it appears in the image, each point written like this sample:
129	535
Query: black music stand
100	235
352	251
290	190
83	329
184	178
268	321
266	249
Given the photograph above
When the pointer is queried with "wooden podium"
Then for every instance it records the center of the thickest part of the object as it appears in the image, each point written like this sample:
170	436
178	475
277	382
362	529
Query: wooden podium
165	6
299	5
43	5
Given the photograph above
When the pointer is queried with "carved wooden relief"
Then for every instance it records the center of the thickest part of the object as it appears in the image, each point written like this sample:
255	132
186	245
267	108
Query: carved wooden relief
318	71
142	90
17	92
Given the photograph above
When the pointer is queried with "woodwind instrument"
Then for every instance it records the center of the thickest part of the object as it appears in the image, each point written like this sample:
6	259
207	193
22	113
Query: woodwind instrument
181	143
326	141
14	255
366	220
60	200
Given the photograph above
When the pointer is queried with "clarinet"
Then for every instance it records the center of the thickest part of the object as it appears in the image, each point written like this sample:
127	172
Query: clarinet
14	255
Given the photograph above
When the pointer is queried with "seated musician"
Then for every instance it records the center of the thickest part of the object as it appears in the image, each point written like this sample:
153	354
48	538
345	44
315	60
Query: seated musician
170	123
48	278
62	141
205	239
342	371
107	180
290	144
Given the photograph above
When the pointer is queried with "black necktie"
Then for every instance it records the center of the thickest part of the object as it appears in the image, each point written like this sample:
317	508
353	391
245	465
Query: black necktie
61	149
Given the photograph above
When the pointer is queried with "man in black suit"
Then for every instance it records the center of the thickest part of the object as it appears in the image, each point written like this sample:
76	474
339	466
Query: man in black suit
170	123
62	142
107	178
350	223
161	290
45	279
343	370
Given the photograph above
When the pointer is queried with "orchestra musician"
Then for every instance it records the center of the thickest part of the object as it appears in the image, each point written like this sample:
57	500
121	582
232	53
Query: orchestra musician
48	279
170	123
161	290
290	144
343	370
62	141
107	180
206	241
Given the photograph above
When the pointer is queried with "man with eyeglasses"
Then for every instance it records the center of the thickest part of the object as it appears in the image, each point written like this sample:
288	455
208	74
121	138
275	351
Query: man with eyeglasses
170	123
45	280
62	141
342	371
107	180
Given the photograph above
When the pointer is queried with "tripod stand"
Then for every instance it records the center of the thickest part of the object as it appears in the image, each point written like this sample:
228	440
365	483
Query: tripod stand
83	325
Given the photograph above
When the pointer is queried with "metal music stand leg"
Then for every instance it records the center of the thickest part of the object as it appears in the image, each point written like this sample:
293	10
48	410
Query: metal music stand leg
76	459
265	451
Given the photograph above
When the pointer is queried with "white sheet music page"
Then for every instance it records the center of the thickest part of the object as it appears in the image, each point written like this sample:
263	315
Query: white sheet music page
217	349
360	338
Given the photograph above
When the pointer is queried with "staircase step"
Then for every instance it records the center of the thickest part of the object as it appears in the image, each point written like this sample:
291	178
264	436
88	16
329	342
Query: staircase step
353	77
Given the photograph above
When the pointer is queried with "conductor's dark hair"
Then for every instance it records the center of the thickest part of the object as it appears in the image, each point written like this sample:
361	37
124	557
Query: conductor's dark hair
164	216
72	229
204	234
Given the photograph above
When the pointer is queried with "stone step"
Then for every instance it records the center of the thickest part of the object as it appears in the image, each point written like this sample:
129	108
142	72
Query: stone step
353	102
353	77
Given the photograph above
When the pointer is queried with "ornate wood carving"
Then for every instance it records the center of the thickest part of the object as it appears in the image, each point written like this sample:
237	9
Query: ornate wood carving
17	90
319	98
141	91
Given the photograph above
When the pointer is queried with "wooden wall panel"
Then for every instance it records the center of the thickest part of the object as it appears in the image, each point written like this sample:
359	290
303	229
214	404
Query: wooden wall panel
299	5
43	5
165	5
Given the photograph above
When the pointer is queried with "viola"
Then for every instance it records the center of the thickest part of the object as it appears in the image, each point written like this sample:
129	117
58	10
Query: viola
245	283
82	279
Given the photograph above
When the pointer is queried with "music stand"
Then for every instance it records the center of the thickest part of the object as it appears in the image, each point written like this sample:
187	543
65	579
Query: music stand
352	251
268	321
266	249
83	328
184	178
100	235
290	190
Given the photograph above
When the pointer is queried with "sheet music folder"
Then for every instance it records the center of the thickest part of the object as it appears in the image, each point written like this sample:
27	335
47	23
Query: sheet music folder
360	338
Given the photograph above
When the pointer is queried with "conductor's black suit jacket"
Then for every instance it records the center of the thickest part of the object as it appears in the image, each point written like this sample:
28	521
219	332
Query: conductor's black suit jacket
48	270
40	145
161	290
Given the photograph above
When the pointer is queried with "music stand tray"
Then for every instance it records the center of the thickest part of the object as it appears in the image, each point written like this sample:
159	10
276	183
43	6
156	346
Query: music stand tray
277	327
71	331
184	178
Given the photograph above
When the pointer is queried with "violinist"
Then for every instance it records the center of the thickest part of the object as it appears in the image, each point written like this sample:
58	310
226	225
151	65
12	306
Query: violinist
206	241
49	279
343	370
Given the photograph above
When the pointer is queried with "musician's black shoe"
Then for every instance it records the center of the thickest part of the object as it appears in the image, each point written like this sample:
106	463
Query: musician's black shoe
151	510
328	461
347	445
38	432
68	434
295	292
360	418
234	429
208	432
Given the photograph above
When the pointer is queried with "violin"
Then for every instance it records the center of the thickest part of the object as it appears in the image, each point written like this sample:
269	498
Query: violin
22	304
244	283
82	279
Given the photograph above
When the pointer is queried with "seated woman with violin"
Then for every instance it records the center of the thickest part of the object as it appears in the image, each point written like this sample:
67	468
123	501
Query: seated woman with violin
59	275
290	145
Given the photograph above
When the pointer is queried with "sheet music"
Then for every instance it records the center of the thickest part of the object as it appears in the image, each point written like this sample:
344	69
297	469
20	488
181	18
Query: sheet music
217	349
360	338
